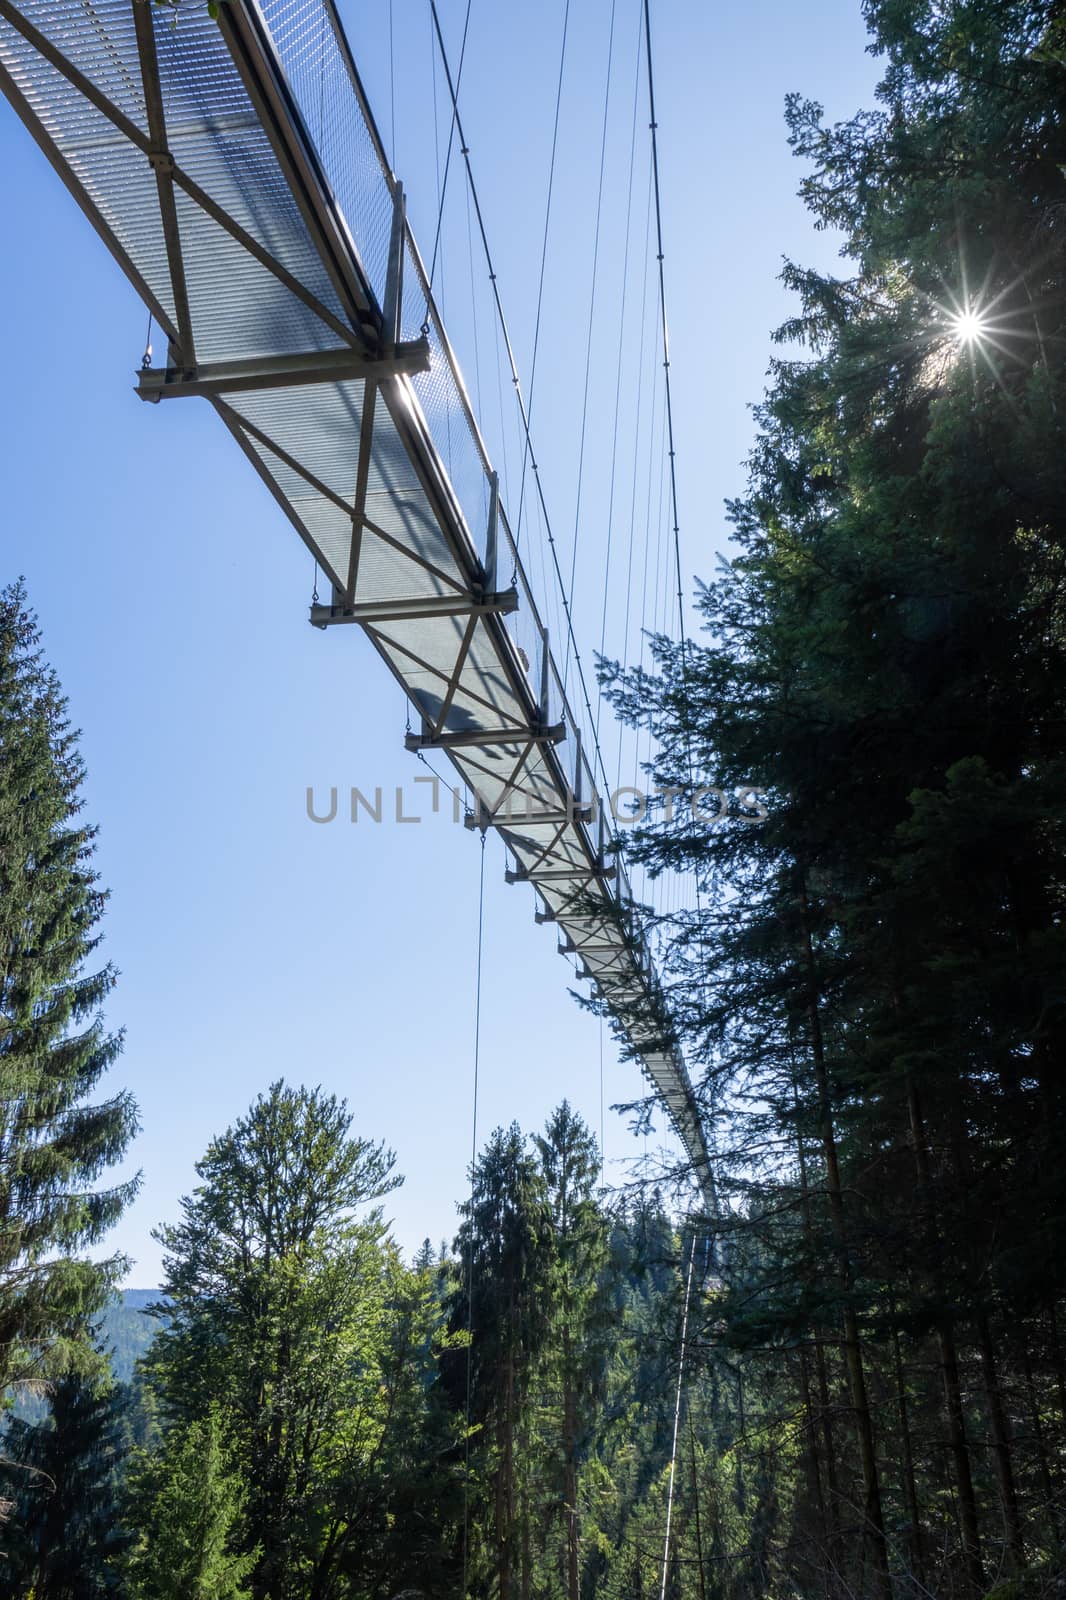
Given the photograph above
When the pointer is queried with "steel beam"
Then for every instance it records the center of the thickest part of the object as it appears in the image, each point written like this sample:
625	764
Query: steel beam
265	259
556	874
444	605
392	308
362	479
54	155
248	40
281	372
492	532
387	645
567	946
456	677
511	820
565	915
486	736
129	131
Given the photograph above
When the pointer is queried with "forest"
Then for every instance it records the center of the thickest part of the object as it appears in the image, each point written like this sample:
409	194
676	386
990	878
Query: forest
845	1379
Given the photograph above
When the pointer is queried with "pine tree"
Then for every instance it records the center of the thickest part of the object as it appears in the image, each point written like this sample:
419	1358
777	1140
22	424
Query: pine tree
186	1503
54	1046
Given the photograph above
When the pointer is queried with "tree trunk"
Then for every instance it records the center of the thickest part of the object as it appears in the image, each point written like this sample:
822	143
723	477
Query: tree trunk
828	1445
527	1550
1001	1443
825	1420
907	1452
949	1365
701	1582
814	1475
1040	1443
573	1583
873	1523
505	1495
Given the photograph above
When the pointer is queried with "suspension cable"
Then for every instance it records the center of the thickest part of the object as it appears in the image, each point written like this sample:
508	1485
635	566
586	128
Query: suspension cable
392	86
525	412
592	313
662	308
618	381
470	1250
672	453
677	1416
636	457
527	451
516	382
451	140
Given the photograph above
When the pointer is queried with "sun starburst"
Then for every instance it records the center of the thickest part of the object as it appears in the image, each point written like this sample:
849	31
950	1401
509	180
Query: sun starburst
968	325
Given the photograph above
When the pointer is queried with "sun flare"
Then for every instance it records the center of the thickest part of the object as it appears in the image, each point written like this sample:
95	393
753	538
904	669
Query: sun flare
969	326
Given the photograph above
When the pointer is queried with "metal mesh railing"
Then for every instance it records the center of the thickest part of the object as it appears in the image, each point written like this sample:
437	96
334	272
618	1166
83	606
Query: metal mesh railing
324	82
319	73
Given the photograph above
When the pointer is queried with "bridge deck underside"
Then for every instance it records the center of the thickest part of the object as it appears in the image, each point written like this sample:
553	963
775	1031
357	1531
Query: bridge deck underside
235	173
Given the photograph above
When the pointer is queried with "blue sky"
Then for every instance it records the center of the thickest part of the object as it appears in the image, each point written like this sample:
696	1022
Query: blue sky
253	944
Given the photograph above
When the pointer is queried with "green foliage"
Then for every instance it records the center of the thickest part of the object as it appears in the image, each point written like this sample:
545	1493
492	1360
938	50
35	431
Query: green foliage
188	1499
499	1298
875	980
287	1306
572	1365
337	1464
63	1536
54	1048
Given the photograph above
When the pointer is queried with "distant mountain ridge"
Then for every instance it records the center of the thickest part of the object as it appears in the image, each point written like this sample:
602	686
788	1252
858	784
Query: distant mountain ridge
126	1330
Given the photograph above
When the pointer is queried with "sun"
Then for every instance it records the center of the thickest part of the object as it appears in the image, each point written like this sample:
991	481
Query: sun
969	325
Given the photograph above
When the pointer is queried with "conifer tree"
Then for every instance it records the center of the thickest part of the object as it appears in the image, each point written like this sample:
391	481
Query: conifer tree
55	1142
879	975
570	1164
186	1502
65	1535
501	1296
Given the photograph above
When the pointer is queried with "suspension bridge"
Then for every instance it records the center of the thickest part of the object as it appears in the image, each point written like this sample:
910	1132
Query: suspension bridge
234	170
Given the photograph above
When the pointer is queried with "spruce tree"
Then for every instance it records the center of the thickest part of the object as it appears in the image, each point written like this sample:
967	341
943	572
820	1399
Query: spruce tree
65	1534
575	1358
502	1296
54	1044
186	1504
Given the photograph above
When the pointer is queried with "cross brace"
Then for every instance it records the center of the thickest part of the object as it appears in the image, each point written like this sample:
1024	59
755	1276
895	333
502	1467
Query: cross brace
557	874
503	818
554	734
281	372
443	605
563	915
567	947
605	977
